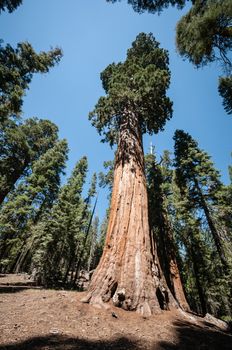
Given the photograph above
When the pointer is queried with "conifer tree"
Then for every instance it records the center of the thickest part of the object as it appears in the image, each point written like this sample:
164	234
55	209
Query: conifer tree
197	177
135	103
20	145
159	185
27	203
59	236
17	67
207	288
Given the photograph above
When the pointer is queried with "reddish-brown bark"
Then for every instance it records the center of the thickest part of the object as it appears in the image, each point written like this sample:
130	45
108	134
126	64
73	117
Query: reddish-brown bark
129	271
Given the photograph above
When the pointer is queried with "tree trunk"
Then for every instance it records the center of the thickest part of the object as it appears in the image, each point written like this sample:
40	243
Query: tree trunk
213	229
177	286
129	271
196	271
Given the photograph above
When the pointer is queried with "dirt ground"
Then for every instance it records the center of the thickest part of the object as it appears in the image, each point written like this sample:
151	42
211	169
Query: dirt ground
39	319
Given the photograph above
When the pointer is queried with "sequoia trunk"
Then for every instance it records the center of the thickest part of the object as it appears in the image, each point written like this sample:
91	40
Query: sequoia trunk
129	271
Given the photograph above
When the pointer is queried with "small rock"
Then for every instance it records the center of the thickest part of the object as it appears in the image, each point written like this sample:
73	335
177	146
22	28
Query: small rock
54	331
114	315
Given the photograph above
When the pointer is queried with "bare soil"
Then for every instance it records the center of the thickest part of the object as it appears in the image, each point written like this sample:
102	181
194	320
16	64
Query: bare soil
40	319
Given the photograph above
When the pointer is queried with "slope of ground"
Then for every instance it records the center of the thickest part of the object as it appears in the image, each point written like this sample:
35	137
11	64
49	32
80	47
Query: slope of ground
39	319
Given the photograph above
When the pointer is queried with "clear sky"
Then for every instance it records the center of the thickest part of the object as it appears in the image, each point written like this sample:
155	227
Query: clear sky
93	34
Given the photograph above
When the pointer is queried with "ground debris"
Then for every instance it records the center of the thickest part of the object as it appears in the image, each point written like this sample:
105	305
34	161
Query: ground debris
34	319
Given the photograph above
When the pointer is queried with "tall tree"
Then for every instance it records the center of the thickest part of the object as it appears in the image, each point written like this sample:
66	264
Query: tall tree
197	175
27	203
135	103
59	236
17	67
207	288
20	145
159	185
9	5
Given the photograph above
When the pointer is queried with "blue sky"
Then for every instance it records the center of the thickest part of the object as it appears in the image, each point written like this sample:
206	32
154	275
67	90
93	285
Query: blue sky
93	34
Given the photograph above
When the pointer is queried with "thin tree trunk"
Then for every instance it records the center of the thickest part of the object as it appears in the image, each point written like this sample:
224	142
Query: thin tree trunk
197	279
79	262
128	273
214	232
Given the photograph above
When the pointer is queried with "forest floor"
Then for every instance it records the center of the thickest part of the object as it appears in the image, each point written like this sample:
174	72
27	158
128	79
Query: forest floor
41	319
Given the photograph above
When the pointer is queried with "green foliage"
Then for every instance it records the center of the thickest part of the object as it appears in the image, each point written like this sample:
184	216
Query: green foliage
106	179
205	32
152	6
202	221
194	168
204	35
30	200
61	246
9	5
137	85
17	67
225	90
20	145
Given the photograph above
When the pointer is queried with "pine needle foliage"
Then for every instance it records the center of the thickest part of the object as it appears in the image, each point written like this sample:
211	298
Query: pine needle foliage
137	85
17	67
28	202
60	246
20	145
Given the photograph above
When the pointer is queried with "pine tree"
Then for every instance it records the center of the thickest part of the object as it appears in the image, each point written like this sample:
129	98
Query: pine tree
17	67
197	175
204	35
205	31
208	290
28	202
59	236
20	145
93	237
135	103
159	185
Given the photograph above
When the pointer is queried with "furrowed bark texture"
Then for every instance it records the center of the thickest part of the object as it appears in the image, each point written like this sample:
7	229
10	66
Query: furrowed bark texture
176	285
129	271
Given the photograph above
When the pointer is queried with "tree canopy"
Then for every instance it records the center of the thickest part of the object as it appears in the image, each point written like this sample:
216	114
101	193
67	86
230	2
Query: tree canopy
17	67
204	34
153	6
20	145
138	84
9	5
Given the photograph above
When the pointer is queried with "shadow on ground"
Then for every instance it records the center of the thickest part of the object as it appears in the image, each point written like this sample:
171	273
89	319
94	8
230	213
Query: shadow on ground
58	342
193	337
15	288
188	337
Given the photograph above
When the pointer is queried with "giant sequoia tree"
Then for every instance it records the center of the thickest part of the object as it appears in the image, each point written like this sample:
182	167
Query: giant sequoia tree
135	103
